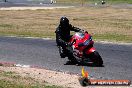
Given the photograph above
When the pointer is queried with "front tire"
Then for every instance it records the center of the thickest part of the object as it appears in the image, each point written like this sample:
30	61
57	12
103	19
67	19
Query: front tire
96	59
72	58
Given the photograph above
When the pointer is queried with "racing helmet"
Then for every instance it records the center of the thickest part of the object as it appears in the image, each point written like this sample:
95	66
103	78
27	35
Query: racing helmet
64	22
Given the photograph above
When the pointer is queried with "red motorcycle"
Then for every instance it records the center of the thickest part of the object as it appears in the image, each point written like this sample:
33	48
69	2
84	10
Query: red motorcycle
82	49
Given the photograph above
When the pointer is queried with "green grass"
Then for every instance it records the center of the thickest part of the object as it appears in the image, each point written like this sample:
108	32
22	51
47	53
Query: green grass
10	84
112	37
120	1
14	80
5	25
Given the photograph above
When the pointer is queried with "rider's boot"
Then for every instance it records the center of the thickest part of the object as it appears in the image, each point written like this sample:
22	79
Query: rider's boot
63	55
62	52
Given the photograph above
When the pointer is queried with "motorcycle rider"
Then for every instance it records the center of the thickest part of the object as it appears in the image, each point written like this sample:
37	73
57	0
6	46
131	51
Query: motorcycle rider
63	35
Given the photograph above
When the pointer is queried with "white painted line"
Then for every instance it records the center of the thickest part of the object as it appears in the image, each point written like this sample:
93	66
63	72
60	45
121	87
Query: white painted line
33	8
47	38
29	37
118	43
24	66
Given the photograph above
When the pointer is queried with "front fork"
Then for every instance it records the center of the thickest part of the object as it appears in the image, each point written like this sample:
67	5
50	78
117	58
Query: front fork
90	50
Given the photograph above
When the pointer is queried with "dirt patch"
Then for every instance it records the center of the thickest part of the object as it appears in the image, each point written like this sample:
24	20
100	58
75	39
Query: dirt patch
43	75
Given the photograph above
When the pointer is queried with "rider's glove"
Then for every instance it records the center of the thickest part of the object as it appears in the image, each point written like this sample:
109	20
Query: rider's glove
82	31
70	44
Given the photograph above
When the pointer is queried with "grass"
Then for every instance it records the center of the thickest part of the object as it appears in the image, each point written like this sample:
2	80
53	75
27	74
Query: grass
120	1
111	37
13	80
103	23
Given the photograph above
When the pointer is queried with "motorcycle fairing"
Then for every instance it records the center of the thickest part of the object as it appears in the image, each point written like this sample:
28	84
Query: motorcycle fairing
90	50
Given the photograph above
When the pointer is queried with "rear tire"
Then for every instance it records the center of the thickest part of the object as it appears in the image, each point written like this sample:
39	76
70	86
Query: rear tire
96	59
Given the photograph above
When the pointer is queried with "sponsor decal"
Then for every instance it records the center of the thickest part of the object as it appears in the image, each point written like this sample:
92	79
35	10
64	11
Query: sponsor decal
86	81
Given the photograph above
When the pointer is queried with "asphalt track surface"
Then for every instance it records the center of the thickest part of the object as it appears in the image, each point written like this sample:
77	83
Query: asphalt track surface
44	53
25	5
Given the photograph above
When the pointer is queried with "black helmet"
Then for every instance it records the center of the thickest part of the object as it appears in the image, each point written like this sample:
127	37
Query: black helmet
64	21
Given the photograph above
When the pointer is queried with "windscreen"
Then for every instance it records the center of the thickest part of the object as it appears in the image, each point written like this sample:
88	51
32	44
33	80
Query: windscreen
79	35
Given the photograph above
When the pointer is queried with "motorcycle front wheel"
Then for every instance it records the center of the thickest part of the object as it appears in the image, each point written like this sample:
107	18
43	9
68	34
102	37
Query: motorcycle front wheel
96	59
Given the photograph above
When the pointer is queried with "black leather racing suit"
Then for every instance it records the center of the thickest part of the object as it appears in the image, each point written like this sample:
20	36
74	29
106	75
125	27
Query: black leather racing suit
63	35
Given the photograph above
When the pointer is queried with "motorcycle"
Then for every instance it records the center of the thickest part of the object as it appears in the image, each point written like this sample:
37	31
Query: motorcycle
81	49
